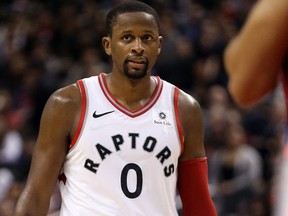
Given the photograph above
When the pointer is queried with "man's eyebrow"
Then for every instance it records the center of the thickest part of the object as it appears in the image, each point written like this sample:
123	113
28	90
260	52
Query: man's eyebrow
149	31
131	32
126	32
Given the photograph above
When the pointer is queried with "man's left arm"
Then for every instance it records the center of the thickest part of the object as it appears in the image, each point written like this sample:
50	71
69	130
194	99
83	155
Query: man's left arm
193	169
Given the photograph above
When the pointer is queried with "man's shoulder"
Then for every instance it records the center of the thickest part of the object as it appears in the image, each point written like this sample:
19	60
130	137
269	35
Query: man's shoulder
68	95
187	100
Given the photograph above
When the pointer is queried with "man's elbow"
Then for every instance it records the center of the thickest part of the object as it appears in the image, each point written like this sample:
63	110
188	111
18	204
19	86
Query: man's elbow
242	98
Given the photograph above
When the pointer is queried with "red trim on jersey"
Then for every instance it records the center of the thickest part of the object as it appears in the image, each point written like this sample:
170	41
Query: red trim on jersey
83	112
156	94
177	116
193	188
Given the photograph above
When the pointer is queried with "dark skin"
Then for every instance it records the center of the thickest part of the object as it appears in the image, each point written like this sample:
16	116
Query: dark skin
134	37
254	58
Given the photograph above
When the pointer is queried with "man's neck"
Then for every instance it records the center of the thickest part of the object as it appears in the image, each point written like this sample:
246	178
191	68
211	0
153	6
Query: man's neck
132	94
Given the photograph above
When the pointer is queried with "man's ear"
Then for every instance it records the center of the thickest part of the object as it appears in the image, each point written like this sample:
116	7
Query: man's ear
160	44
106	41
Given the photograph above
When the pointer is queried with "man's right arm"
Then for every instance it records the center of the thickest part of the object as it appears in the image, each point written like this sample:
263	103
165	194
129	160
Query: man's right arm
254	57
59	120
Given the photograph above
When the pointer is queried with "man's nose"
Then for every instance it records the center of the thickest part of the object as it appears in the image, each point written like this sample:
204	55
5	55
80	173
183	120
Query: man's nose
138	46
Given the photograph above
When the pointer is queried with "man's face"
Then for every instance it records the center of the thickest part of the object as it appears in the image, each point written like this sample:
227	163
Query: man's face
134	45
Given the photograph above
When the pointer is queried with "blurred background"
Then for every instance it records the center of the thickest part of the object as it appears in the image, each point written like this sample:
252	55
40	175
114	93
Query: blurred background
45	45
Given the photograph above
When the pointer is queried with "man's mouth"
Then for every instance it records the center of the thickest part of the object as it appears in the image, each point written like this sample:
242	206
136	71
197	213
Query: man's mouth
137	62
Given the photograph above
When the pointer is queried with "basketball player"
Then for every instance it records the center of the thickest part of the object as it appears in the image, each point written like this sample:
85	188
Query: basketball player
122	141
255	61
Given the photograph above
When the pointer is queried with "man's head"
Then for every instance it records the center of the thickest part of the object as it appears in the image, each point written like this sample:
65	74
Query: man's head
128	7
133	39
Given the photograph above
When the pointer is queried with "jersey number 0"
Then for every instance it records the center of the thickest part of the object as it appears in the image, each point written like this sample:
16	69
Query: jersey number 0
139	180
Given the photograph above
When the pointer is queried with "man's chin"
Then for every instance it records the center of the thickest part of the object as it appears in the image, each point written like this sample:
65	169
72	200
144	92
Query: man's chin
135	75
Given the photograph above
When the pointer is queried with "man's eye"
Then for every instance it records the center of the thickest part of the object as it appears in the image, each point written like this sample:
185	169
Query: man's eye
126	37
147	37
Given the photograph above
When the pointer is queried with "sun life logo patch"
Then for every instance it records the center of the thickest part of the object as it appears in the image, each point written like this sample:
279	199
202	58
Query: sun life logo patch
162	115
162	118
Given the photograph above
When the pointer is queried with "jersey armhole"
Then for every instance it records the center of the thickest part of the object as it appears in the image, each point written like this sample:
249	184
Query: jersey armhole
82	115
177	117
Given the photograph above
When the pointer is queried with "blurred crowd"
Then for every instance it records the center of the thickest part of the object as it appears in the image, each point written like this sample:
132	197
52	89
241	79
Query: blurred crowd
45	45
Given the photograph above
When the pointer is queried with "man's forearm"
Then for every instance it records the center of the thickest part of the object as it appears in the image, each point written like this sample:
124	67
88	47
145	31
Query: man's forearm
29	205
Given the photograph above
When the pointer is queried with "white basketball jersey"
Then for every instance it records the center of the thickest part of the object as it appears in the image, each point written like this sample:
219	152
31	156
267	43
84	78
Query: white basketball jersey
122	162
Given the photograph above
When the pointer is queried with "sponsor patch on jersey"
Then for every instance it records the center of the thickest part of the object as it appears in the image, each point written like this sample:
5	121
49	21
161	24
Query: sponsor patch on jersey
162	117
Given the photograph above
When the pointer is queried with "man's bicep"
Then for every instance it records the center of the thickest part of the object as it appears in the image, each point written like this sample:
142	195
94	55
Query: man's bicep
52	143
51	146
48	157
193	168
193	127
